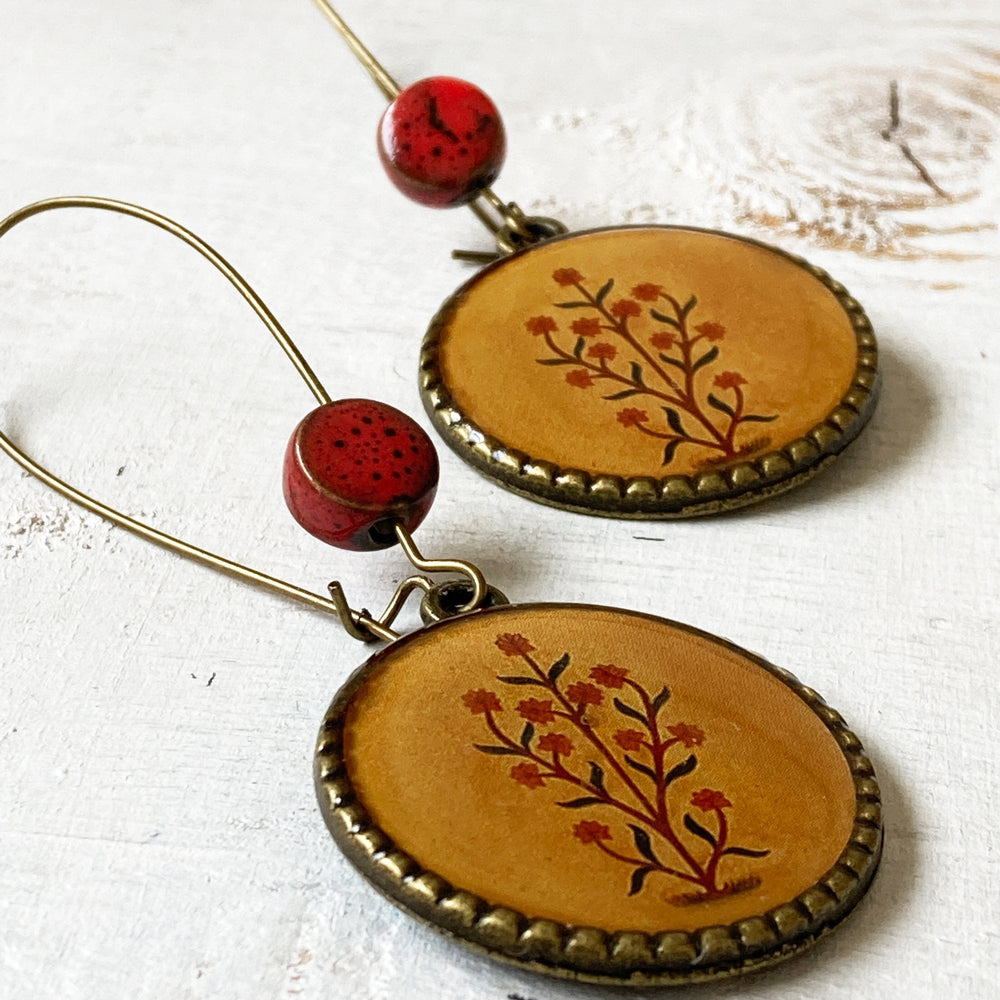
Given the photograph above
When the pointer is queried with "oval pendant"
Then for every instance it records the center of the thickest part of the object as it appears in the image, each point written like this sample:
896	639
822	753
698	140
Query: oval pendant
650	371
599	794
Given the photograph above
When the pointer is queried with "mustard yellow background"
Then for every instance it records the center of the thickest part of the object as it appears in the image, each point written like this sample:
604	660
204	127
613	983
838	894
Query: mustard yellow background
785	333
409	748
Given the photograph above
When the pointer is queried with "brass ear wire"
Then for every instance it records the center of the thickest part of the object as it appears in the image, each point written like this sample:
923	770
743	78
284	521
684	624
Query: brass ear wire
512	230
359	624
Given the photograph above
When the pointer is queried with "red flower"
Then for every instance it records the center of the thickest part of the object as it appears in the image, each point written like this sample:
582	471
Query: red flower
556	743
631	417
481	701
513	644
538	325
582	693
647	292
629	739
609	676
690	736
708	799
535	710
711	331
663	341
605	351
626	307
567	276
589	831
579	377
527	774
589	327
729	380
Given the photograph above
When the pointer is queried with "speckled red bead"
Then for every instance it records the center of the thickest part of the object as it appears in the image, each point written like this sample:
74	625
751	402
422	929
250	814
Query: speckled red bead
441	142
353	467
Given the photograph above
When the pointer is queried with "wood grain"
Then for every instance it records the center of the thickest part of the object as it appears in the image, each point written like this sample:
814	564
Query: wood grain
159	836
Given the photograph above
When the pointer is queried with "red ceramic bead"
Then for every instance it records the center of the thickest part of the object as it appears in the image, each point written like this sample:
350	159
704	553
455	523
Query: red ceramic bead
353	467
441	142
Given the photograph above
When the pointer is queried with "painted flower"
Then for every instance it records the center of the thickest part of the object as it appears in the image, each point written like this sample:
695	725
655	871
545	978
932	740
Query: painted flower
579	377
708	799
729	380
567	276
609	676
583	693
631	417
589	326
690	736
513	644
647	292
663	341
527	774
556	743
629	739
539	325
535	710
589	831
626	307
711	331
606	352
481	701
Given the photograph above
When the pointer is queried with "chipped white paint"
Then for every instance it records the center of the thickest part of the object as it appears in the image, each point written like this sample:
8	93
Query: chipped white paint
158	834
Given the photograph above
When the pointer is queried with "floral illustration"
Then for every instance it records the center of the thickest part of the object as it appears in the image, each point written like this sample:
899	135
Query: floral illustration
648	812
667	365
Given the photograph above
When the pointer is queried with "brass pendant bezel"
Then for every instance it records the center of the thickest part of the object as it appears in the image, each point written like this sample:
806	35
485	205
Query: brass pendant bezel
670	496
588	954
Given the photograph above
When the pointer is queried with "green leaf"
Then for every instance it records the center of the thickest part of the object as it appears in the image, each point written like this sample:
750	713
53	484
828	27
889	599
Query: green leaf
521	680
664	318
676	362
573	305
637	373
578	350
641	768
668	452
624	393
527	735
745	852
497	751
638	877
580	803
721	405
689	305
629	711
555	361
605	289
558	667
674	420
642	843
660	700
596	776
679	770
756	419
698	830
706	359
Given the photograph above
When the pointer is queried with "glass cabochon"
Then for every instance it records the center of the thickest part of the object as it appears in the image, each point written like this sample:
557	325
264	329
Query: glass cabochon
650	371
599	794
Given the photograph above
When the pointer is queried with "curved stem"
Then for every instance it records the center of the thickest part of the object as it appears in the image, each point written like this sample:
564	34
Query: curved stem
687	342
588	732
643	863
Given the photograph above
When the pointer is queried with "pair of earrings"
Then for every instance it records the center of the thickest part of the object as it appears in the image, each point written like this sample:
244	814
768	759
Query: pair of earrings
683	810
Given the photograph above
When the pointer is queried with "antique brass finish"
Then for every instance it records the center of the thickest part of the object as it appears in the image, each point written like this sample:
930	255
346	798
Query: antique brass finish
616	955
359	624
646	497
514	229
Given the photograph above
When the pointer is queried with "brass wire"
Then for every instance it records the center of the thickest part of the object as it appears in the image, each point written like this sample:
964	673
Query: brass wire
359	624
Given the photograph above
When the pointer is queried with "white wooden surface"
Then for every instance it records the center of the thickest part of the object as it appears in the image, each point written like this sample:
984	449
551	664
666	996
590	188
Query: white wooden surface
158	831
